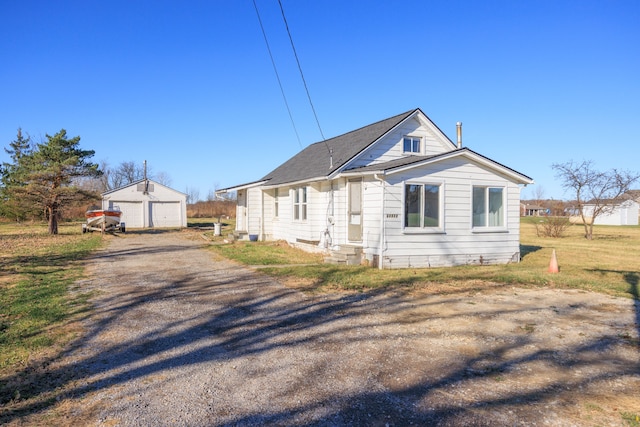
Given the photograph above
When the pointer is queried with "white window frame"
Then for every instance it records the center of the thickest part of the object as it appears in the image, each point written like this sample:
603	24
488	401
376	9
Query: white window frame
413	139
422	228
300	195
276	202
486	226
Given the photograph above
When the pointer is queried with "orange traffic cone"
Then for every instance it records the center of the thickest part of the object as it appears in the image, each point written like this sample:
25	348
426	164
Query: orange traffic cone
553	264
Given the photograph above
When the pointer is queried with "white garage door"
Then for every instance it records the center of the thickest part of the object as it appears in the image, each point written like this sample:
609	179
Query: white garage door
132	214
164	214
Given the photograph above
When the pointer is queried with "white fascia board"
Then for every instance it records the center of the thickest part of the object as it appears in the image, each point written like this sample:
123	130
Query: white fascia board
357	173
240	187
295	183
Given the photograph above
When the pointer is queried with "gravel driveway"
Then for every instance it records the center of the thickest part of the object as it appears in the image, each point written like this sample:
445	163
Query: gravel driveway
180	337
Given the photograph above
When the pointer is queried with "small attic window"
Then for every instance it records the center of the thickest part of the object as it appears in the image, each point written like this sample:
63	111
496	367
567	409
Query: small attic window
411	144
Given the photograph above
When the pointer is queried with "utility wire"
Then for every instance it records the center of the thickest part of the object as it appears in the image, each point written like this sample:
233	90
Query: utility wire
300	69
264	34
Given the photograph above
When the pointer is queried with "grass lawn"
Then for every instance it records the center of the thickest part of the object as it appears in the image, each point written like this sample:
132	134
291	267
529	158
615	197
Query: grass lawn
36	307
608	264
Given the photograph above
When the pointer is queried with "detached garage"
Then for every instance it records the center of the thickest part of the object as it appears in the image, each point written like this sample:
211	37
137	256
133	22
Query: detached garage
147	203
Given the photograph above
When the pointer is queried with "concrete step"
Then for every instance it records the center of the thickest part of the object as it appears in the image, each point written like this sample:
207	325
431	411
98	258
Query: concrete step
347	254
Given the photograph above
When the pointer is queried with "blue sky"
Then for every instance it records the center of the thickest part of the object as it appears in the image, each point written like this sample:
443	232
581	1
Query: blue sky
189	86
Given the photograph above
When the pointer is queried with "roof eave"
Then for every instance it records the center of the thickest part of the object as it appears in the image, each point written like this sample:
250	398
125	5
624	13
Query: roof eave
241	187
512	174
299	182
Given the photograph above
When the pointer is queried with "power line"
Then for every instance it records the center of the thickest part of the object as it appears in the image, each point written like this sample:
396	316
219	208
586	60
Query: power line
264	34
300	69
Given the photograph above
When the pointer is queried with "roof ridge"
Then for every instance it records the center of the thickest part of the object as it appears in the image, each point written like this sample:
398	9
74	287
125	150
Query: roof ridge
397	116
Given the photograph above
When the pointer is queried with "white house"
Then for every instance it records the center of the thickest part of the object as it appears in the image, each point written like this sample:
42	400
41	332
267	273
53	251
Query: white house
146	203
396	193
623	213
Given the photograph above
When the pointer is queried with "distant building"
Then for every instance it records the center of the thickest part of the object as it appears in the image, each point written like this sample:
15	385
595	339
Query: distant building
148	204
623	212
533	210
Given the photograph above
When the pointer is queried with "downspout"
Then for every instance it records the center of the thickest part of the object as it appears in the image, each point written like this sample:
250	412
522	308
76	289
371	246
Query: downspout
382	222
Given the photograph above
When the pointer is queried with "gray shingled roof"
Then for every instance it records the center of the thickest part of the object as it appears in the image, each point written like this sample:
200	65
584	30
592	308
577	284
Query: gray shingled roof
314	162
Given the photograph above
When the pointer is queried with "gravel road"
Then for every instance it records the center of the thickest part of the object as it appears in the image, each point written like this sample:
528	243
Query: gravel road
181	337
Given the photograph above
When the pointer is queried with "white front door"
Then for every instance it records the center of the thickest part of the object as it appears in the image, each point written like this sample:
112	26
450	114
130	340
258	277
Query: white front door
241	211
355	210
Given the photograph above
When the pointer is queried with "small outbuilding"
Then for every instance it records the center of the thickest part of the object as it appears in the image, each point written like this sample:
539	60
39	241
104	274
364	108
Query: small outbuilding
624	212
148	204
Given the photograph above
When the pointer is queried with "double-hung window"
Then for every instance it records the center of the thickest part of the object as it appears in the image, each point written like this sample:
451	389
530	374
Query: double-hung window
411	144
276	202
488	207
300	204
422	206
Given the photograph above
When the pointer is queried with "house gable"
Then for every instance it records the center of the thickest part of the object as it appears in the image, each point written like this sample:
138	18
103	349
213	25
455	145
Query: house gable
429	139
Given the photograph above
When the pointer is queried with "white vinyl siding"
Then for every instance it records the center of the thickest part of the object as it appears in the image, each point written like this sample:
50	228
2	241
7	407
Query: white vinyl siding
457	243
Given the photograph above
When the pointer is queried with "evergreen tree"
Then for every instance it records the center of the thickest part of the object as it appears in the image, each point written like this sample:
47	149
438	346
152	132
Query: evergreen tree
45	176
10	177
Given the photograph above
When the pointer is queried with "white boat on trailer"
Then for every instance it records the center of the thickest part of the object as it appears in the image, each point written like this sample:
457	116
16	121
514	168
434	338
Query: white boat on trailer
103	220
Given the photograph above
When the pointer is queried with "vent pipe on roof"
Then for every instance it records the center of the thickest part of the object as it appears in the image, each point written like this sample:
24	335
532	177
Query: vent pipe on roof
459	132
144	171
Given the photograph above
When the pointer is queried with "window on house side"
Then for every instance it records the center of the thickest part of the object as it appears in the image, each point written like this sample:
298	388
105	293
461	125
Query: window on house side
300	204
411	144
275	203
422	206
488	207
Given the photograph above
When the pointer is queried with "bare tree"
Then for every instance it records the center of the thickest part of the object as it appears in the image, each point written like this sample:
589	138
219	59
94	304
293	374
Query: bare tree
600	190
127	173
122	175
193	195
163	178
538	194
